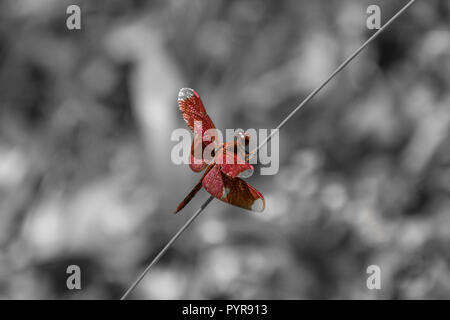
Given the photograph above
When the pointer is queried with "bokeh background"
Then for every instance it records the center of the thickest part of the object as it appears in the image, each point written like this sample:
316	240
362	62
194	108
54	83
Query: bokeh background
85	170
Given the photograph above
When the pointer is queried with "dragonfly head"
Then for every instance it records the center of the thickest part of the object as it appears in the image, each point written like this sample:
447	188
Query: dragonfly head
242	144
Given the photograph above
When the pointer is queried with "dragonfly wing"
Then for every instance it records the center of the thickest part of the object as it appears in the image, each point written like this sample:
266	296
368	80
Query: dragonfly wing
193	110
197	165
232	168
234	191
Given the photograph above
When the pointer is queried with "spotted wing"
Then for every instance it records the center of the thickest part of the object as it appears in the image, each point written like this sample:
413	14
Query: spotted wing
234	191
193	112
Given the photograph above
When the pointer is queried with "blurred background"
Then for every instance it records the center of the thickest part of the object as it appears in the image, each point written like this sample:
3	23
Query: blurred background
85	171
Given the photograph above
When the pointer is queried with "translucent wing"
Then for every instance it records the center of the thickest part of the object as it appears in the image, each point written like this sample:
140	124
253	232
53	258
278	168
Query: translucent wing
192	109
234	191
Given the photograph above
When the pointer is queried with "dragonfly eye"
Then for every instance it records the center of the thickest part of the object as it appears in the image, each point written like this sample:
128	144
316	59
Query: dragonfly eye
241	145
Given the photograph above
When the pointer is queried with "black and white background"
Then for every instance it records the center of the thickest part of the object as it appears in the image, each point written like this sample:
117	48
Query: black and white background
86	177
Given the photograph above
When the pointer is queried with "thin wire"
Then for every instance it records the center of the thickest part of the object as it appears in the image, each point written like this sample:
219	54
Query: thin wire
338	69
304	102
161	253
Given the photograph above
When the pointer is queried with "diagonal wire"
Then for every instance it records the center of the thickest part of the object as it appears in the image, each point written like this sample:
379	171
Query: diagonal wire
167	246
304	102
335	72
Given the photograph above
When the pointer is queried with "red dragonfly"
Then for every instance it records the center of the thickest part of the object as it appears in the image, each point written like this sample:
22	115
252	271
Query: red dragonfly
221	178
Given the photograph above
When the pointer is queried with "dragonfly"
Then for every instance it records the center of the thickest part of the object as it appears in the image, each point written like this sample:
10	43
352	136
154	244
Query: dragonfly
229	164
